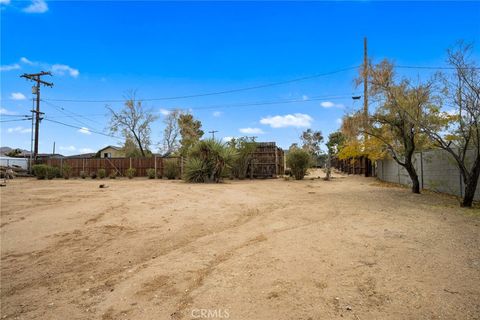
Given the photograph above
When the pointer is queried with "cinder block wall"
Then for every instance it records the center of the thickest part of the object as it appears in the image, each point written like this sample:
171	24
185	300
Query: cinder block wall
436	169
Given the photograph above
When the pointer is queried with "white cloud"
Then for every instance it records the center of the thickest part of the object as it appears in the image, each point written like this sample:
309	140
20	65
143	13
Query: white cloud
329	104
9	67
26	61
251	130
289	120
7	112
217	114
165	112
68	148
84	130
61	69
452	112
17	96
86	150
305	97
339	121
5	2
19	130
227	139
37	6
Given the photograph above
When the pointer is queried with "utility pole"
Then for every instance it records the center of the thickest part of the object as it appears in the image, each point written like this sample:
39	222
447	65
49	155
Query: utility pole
213	133
365	78
37	77
365	98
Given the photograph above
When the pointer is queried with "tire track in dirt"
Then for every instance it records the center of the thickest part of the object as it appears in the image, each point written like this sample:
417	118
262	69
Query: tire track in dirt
202	274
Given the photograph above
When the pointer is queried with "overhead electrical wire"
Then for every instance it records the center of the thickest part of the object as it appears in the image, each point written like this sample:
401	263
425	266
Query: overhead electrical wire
216	92
76	127
247	104
26	119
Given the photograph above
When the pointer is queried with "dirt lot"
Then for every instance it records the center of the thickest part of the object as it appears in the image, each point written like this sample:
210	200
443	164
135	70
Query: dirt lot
351	248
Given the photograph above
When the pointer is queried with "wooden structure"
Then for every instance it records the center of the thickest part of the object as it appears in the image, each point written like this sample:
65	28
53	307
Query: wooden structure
268	161
360	165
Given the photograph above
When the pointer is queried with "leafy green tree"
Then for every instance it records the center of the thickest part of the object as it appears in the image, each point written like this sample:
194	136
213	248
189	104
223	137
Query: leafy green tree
190	132
334	144
311	141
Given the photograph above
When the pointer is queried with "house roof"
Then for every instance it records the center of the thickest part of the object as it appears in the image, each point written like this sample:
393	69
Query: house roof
81	156
112	147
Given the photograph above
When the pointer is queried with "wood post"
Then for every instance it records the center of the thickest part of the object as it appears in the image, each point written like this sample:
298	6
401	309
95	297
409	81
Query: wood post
155	158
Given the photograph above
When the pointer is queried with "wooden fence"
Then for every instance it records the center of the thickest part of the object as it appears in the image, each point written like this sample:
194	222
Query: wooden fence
360	165
268	162
120	165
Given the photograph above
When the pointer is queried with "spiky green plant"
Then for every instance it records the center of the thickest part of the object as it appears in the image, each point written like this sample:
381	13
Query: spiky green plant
207	160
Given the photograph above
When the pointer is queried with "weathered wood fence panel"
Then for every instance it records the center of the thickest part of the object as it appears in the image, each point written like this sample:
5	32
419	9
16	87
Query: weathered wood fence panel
268	161
120	165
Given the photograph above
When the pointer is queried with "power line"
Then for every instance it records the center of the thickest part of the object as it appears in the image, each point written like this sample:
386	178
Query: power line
15	115
434	68
76	127
216	92
246	104
16	120
73	114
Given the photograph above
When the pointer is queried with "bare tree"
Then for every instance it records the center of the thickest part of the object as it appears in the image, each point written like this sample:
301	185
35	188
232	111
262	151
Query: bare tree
457	131
171	133
133	121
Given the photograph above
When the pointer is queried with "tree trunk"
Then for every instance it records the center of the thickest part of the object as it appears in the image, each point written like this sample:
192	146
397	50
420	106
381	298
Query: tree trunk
413	176
471	185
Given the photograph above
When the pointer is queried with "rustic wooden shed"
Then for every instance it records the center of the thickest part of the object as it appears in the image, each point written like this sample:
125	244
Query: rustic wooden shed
268	161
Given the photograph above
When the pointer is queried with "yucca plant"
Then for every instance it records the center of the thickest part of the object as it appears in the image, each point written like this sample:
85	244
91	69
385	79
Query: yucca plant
207	160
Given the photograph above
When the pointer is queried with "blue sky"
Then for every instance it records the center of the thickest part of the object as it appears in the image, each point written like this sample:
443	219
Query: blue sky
101	50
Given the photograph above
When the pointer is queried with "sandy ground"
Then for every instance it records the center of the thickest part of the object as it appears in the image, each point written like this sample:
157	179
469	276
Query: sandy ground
350	248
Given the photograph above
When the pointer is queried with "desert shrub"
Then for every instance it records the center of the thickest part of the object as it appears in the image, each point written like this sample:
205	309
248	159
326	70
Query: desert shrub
93	175
57	172
207	160
245	147
40	171
52	172
298	160
195	171
131	173
66	171
83	174
113	174
171	170
102	173
151	174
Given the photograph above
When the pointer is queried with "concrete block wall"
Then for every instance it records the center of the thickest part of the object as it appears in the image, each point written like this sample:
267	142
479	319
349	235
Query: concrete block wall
436	169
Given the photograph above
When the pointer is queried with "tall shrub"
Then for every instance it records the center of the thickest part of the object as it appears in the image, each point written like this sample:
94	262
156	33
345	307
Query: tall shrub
298	160
40	171
171	169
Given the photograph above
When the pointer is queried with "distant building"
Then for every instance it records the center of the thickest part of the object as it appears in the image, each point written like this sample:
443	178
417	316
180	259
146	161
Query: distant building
82	156
45	156
111	152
